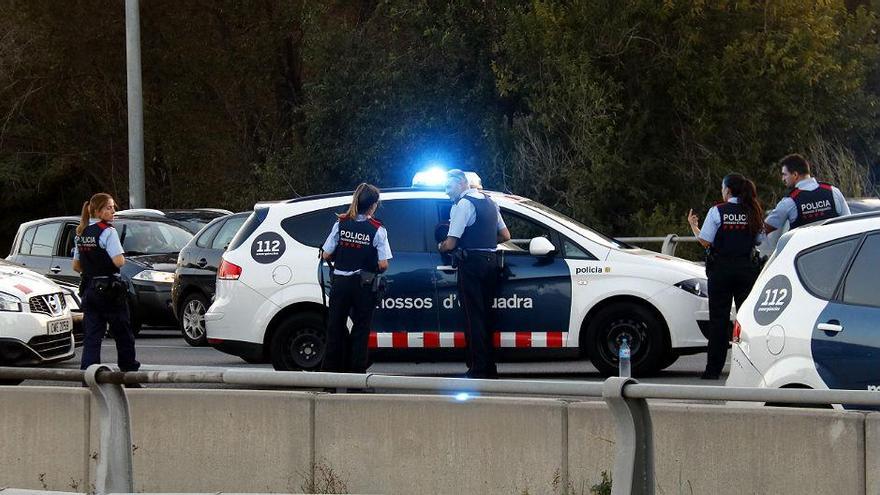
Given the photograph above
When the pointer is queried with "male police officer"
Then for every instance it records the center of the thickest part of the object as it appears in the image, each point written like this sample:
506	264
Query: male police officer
475	229
808	201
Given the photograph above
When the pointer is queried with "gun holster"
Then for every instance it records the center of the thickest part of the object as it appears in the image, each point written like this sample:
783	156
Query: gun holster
111	288
376	282
457	257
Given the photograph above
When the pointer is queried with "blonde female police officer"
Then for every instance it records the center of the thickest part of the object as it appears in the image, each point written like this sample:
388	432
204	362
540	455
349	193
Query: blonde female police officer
476	228
730	233
97	256
358	246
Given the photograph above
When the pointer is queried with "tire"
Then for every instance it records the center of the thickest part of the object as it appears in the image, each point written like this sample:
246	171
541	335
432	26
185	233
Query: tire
668	359
192	319
299	343
646	337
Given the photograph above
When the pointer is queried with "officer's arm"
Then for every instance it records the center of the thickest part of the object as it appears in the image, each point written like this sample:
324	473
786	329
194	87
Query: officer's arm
779	215
383	265
503	235
448	245
77	267
119	260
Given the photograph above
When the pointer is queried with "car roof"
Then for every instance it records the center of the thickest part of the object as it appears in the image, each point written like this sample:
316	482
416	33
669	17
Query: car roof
71	218
852	218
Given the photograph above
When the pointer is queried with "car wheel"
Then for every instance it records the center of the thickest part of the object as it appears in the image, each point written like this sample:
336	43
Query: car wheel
192	319
668	359
639	326
299	343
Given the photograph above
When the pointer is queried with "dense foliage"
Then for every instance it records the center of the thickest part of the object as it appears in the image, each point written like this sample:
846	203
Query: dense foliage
622	113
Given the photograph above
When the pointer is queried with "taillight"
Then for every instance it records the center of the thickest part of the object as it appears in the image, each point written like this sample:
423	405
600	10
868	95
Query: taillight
228	271
737	329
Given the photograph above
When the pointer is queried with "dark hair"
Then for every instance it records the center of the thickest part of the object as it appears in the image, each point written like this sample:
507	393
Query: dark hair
744	189
364	197
796	163
91	208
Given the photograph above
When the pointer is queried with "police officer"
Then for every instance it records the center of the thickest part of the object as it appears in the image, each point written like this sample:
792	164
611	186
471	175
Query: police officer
808	200
475	229
358	246
97	256
730	233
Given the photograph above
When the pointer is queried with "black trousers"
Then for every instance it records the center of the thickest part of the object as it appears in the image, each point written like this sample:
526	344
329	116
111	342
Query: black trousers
729	280
98	313
349	353
477	283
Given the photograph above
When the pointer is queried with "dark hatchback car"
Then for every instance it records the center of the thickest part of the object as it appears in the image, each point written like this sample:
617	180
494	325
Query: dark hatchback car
196	275
192	220
151	246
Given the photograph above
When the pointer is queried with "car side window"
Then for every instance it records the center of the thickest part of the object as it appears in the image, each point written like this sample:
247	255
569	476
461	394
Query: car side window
68	239
522	231
205	238
227	232
404	219
820	269
27	241
572	251
312	228
44	239
860	286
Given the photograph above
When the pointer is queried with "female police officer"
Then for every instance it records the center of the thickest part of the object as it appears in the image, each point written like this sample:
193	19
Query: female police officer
98	255
730	233
358	246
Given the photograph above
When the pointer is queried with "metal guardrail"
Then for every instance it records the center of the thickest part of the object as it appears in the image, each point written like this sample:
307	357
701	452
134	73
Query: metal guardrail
670	241
633	471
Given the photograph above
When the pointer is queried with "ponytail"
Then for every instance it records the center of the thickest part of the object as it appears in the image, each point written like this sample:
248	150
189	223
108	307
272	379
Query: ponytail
745	190
364	197
90	209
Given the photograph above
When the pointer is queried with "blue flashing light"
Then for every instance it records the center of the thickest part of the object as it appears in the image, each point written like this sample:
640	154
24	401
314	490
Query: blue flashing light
462	396
431	177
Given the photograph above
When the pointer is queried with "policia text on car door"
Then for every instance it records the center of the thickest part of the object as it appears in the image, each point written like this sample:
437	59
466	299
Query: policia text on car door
730	233
358	245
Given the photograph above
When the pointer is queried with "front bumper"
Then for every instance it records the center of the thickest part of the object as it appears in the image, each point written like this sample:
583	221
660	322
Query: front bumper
153	304
40	349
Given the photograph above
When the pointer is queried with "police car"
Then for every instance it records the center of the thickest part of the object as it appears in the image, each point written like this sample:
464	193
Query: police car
566	290
812	319
35	322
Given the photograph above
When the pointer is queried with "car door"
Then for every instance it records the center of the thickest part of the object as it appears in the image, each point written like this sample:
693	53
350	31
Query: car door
62	261
195	260
38	247
846	335
533	303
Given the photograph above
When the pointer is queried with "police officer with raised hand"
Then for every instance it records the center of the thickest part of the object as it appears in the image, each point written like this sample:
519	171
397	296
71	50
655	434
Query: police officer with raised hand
730	234
808	200
475	229
358	246
97	256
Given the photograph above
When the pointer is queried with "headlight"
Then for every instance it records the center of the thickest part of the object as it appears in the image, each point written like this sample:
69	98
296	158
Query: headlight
155	276
696	286
8	302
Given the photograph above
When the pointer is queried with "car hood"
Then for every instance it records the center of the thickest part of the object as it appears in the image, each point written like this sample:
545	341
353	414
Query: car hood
24	283
675	267
165	262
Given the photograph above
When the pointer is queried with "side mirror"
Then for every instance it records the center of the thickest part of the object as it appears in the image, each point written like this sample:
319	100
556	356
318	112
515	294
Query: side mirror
541	246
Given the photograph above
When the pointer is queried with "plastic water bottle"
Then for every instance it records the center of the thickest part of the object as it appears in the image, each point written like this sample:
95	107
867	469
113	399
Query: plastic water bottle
623	355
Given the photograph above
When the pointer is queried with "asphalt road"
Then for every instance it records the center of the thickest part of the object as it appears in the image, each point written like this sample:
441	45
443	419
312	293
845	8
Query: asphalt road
165	349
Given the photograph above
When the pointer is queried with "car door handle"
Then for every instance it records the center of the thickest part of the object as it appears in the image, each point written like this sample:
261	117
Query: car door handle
447	268
202	262
831	326
55	269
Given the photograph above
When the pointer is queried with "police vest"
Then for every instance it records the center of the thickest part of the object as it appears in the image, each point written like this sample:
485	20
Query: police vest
355	250
483	234
94	259
813	206
733	238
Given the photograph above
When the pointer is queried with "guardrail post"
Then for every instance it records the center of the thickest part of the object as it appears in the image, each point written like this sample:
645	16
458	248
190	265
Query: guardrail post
669	244
113	473
634	450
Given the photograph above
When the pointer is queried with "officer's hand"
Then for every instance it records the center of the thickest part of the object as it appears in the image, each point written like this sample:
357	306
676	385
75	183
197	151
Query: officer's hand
693	219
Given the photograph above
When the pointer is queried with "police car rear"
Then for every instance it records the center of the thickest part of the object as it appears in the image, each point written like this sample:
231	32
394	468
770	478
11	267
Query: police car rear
811	320
566	290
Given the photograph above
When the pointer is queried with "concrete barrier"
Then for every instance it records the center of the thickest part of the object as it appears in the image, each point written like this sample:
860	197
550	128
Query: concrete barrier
44	438
430	444
723	450
279	441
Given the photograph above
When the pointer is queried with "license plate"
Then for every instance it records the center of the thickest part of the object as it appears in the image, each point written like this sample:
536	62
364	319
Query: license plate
61	326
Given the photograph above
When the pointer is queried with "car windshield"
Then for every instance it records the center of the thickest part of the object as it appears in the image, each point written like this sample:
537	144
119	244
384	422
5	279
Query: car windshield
143	237
574	224
193	220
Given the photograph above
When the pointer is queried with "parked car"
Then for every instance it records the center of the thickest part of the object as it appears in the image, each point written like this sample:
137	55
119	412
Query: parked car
35	323
812	319
566	290
151	246
195	277
193	219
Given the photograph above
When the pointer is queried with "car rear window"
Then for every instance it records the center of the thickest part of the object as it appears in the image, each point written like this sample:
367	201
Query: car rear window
250	225
313	227
860	286
821	268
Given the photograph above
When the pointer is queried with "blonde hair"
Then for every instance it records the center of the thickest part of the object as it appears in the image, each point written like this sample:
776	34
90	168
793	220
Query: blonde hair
91	208
364	197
